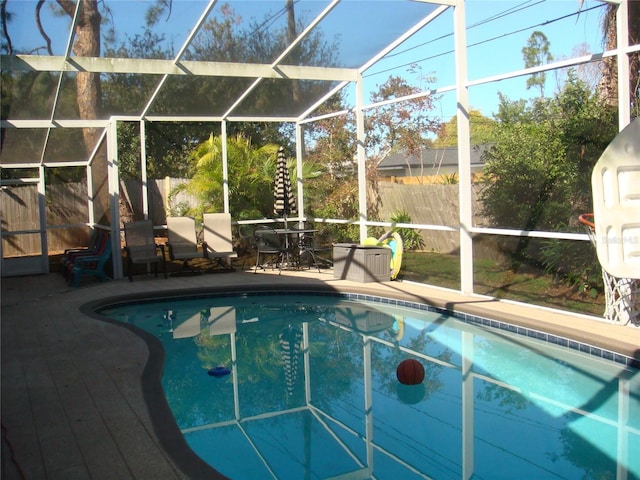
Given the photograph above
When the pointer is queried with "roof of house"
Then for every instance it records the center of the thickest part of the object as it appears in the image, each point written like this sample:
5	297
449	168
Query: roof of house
432	157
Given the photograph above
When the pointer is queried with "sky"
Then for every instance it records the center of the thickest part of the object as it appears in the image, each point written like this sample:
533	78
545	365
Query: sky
497	31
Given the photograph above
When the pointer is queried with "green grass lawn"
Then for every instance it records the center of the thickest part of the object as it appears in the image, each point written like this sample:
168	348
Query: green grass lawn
528	285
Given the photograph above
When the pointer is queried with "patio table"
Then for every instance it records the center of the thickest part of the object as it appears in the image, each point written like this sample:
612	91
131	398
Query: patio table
299	245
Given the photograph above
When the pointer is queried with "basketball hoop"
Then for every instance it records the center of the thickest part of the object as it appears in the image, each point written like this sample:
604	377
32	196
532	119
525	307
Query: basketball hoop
622	295
587	219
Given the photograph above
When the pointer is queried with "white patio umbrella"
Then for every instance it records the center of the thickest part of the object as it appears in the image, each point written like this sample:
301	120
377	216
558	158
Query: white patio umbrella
284	201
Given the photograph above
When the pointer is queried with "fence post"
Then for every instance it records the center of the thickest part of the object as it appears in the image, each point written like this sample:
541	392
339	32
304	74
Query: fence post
165	195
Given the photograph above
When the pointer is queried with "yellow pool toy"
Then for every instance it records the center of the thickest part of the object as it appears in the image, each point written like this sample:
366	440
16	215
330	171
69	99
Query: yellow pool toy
393	241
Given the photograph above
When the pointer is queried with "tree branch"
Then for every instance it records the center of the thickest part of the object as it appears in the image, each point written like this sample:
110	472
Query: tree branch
4	15
41	28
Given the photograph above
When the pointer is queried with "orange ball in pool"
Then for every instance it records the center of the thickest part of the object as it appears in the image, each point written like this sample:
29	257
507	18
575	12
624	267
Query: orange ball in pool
410	372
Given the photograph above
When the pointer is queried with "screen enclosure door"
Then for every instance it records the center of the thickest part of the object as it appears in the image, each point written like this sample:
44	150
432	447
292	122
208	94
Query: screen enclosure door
24	238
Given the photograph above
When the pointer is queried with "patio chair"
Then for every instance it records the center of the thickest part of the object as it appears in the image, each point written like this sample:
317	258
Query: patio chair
91	265
269	244
217	244
140	247
96	245
321	244
183	242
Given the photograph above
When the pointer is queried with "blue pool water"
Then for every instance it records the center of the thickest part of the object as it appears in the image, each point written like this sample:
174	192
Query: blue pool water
313	394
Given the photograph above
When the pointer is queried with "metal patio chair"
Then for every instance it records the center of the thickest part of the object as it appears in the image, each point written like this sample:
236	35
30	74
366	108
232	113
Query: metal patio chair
183	242
218	243
141	247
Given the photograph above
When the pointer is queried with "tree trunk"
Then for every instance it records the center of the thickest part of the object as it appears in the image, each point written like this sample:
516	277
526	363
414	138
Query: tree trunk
608	87
89	96
291	36
86	44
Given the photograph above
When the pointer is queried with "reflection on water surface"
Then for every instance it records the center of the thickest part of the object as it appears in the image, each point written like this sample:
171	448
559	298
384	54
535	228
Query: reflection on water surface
313	393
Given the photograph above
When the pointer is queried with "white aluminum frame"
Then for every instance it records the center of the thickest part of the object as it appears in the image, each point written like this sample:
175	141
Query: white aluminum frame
343	76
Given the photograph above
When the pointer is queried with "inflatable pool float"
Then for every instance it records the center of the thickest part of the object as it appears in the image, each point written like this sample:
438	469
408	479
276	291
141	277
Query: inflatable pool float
393	241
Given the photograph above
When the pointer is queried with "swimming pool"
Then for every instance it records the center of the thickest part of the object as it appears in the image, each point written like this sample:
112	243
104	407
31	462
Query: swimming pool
312	392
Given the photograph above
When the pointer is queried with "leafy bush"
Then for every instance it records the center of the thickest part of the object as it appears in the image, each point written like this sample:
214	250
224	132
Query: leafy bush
539	168
538	173
575	263
410	237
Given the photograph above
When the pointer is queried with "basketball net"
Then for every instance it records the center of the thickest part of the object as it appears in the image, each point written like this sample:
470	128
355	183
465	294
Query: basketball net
622	295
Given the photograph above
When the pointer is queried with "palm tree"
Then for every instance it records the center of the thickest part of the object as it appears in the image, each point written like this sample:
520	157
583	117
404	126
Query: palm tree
251	175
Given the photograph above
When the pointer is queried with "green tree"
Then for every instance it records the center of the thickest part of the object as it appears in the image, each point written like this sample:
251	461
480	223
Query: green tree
251	175
332	149
523	167
403	126
222	38
32	92
537	53
587	126
251	172
512	111
538	171
481	129
540	166
331	145
168	144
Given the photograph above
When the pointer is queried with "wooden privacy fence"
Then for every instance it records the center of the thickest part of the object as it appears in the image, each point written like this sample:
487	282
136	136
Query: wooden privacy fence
159	203
67	204
431	204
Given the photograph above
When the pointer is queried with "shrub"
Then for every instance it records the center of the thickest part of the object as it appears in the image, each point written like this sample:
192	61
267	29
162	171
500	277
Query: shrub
410	237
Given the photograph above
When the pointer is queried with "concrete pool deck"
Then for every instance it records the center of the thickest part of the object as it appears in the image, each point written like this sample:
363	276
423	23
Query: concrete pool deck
76	402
